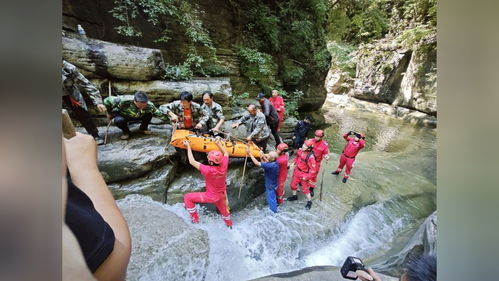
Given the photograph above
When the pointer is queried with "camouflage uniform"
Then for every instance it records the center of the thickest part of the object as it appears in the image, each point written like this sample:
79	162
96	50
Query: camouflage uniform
199	115
215	114
257	128
73	85
123	109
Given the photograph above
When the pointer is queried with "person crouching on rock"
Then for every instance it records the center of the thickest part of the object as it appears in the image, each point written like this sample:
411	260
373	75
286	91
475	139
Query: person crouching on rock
355	142
215	175
305	167
270	168
124	109
283	158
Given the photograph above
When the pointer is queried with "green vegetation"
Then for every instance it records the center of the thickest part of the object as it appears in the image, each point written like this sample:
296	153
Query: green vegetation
161	13
342	54
258	67
292	101
238	99
283	42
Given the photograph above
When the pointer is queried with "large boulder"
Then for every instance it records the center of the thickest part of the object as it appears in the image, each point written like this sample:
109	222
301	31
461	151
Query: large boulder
164	247
391	72
112	60
161	91
124	160
380	69
423	242
329	273
153	184
191	180
418	88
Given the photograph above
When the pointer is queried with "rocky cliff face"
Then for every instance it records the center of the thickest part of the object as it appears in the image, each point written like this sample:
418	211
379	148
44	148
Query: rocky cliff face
392	73
219	18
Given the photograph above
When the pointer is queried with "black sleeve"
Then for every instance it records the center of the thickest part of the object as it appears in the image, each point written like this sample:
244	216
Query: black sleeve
94	235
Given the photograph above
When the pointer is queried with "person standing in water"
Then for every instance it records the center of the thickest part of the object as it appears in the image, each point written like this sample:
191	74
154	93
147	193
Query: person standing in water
215	175
321	150
283	158
271	173
355	142
305	167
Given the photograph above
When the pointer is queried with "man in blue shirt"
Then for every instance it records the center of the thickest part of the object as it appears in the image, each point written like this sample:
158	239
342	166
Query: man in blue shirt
270	168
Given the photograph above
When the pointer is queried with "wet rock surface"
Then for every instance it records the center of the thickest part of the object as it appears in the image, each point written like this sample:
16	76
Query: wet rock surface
128	159
330	273
164	246
349	103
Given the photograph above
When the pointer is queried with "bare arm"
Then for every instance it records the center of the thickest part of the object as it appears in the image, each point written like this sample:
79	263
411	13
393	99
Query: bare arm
219	124
192	161
252	157
222	148
81	158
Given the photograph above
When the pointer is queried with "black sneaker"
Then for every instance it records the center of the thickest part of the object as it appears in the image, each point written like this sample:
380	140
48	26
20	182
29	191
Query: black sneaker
309	205
99	140
312	191
335	173
344	180
293	198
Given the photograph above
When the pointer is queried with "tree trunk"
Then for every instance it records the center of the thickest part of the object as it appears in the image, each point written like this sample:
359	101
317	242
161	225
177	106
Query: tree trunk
111	60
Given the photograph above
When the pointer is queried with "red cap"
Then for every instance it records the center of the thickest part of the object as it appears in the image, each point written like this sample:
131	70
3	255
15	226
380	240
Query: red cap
319	133
215	156
282	146
309	143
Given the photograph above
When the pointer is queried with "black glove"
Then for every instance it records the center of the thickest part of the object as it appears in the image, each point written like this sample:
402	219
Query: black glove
358	135
350	133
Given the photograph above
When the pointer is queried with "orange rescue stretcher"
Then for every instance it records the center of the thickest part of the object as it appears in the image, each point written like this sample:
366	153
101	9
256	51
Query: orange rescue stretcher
204	143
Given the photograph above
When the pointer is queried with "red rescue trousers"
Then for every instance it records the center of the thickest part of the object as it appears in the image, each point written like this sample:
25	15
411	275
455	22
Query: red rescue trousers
207	197
280	191
298	179
313	179
348	161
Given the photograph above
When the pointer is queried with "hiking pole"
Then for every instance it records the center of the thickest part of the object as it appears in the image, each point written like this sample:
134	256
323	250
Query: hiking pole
322	180
68	130
227	201
242	179
110	121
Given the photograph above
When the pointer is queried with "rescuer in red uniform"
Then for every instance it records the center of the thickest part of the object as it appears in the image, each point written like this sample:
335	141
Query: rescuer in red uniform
215	175
283	158
305	167
355	142
321	150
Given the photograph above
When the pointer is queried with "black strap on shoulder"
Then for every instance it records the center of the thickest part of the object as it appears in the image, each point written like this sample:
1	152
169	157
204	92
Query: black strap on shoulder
306	160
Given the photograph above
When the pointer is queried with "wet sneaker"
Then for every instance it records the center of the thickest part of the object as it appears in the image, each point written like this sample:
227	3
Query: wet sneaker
125	136
335	173
145	132
312	191
309	205
344	180
99	140
293	198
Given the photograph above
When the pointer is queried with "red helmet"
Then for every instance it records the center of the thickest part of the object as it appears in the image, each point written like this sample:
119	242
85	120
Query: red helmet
319	133
282	146
309	143
215	156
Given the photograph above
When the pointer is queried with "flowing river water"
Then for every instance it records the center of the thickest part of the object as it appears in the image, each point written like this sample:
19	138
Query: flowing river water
391	191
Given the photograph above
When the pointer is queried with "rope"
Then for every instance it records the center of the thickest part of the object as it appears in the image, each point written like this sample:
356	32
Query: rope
242	179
